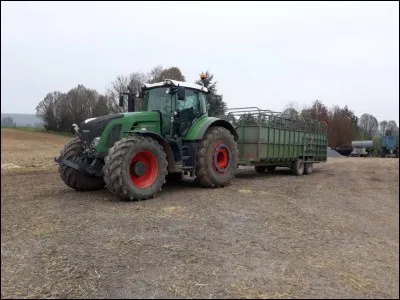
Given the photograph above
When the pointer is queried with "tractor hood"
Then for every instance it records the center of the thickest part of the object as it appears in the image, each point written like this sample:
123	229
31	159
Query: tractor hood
94	127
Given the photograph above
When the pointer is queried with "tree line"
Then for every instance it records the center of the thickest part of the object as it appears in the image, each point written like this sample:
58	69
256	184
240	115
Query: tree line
59	110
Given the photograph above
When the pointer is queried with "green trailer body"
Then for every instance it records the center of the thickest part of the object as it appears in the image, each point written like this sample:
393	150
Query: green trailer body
271	138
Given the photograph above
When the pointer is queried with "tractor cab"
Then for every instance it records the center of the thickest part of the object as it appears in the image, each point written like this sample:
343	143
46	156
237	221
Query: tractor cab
178	104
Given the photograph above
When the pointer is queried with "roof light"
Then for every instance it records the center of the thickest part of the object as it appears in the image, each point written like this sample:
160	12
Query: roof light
168	82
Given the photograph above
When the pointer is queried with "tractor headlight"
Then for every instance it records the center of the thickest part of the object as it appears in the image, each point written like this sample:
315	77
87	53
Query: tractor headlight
95	142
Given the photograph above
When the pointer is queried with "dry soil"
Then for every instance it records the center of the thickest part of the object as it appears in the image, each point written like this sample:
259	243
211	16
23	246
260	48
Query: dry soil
333	234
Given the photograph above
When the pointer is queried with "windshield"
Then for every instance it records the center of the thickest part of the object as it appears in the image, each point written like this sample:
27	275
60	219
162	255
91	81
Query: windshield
157	99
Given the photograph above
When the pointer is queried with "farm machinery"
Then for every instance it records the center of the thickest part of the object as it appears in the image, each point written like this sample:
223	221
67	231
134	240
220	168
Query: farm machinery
172	136
389	146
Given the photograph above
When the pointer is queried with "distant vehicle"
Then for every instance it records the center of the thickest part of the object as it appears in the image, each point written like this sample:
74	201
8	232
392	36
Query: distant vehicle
361	148
390	146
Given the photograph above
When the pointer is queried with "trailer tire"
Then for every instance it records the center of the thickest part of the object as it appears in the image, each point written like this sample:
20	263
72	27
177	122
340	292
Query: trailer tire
308	168
217	158
73	178
298	167
135	168
260	169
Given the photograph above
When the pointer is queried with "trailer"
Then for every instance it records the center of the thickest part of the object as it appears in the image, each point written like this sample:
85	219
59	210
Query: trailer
268	139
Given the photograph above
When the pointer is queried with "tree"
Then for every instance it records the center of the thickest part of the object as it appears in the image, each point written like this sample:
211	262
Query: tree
369	125
120	85
392	128
7	121
158	74
383	127
47	110
290	110
215	100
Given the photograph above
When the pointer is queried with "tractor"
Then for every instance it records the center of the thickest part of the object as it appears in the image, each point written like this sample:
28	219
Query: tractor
133	153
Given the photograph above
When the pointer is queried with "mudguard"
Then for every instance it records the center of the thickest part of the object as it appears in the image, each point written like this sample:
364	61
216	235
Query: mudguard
197	130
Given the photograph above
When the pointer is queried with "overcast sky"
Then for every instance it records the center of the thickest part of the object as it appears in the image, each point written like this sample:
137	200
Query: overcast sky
262	54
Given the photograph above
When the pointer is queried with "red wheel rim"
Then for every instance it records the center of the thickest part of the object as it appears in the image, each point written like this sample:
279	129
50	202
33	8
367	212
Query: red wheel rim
147	160
221	157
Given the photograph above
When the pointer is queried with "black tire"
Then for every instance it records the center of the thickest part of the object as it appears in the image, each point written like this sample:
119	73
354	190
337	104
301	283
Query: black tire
298	167
118	168
217	158
308	168
73	178
271	168
260	169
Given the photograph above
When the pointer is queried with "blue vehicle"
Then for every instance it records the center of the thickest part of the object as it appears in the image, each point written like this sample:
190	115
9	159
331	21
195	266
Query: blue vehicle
390	146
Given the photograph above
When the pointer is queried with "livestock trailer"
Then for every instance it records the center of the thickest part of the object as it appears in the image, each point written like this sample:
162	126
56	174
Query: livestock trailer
268	139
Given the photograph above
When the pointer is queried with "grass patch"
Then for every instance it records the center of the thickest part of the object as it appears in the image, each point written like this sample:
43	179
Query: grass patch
38	129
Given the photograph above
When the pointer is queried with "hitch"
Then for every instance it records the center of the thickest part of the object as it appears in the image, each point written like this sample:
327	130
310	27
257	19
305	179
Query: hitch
82	168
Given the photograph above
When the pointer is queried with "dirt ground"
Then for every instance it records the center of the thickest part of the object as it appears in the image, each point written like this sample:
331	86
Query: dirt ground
333	234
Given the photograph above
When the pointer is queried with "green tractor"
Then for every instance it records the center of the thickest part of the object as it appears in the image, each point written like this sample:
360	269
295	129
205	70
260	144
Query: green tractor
132	153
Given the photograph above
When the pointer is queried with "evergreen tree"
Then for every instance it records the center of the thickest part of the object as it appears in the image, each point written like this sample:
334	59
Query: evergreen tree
217	106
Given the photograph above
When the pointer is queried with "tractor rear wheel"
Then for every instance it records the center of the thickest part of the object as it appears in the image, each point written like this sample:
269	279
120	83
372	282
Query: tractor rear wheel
135	168
298	167
259	169
73	178
217	158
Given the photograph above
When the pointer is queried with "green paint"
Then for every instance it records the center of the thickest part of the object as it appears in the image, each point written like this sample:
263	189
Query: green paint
272	145
197	130
131	122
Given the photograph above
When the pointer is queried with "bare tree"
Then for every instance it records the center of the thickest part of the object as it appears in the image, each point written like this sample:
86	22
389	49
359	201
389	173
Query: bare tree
291	110
120	85
159	74
383	127
369	125
392	128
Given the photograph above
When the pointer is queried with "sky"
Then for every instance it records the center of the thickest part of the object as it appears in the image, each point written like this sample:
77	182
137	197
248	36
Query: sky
265	54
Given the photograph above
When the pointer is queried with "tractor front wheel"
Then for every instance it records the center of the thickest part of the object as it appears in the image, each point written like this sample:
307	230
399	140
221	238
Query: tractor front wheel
73	178
217	158
135	168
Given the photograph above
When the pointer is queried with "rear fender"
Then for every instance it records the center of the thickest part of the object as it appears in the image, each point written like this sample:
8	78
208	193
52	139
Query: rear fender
199	128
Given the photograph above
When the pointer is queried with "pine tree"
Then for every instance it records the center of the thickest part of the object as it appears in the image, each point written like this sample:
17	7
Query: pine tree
217	106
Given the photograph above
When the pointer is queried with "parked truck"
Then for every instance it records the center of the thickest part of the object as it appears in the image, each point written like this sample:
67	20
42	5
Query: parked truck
133	153
389	146
361	148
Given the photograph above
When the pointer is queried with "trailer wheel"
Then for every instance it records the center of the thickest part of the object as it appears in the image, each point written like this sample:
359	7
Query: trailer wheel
308	168
298	167
135	168
217	158
259	169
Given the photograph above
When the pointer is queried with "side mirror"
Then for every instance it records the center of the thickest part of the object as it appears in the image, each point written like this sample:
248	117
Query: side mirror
208	106
181	93
121	100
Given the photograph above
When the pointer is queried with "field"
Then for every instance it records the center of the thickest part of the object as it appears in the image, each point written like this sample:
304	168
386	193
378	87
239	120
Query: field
334	234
